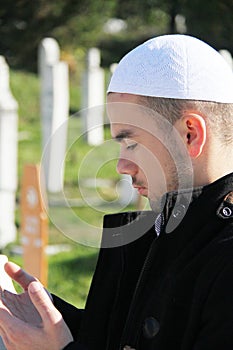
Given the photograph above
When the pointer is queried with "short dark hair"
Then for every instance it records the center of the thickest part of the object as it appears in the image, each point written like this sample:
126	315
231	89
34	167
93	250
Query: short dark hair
219	116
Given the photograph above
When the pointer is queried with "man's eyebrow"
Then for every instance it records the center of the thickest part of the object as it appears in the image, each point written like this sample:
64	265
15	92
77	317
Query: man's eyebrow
123	134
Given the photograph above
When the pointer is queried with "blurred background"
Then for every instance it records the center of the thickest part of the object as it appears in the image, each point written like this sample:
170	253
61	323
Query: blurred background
113	27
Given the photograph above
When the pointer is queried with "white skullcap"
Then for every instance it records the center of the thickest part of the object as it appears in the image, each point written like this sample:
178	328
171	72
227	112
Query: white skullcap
174	66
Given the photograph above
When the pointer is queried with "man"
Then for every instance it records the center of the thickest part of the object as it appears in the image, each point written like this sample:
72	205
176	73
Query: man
166	285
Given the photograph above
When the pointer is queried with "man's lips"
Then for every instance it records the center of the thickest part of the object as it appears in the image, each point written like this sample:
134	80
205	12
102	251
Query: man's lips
141	190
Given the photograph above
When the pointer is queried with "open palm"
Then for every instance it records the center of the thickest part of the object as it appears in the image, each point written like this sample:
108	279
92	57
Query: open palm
21	306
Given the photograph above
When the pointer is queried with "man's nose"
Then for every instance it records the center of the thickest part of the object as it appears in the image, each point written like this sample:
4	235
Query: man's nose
126	166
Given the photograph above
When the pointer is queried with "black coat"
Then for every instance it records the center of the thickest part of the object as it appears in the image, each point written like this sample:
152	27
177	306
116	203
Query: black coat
171	292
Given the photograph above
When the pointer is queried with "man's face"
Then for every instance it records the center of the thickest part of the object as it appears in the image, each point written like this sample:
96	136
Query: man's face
143	147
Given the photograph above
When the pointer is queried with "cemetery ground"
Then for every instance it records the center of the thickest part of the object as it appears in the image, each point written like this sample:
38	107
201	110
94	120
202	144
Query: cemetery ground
70	270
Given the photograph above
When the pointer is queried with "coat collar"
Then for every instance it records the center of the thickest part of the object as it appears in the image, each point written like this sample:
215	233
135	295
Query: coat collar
176	204
126	227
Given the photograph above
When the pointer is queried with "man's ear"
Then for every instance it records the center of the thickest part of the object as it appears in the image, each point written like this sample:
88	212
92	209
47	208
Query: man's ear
192	128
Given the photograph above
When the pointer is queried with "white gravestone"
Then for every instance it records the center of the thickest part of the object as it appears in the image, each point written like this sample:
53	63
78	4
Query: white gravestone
8	156
227	56
8	176
127	193
93	96
54	112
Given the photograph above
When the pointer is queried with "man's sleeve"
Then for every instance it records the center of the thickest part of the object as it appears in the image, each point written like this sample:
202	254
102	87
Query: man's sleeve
71	315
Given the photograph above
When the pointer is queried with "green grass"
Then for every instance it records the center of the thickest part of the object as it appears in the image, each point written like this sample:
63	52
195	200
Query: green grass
25	88
70	274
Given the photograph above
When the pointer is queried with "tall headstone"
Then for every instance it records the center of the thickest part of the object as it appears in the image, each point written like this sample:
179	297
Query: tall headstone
227	56
8	156
54	102
5	280
127	194
34	227
93	96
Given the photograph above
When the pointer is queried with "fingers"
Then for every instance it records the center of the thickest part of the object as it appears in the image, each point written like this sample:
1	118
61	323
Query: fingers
12	330
52	334
5	316
3	339
43	304
19	275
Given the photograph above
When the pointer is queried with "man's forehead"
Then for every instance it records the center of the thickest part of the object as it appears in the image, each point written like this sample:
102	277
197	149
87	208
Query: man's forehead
127	113
129	122
120	97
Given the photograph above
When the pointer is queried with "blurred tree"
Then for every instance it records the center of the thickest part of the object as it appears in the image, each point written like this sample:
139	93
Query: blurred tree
211	21
23	23
147	13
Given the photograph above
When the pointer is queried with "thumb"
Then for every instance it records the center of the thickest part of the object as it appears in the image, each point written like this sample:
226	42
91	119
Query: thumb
43	304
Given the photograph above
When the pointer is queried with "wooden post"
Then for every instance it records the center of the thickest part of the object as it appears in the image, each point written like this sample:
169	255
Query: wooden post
34	228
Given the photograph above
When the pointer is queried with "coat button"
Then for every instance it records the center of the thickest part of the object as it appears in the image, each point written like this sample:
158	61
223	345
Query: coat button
227	212
150	327
178	211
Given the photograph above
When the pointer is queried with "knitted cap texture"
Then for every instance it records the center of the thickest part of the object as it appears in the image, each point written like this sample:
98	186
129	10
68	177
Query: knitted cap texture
174	66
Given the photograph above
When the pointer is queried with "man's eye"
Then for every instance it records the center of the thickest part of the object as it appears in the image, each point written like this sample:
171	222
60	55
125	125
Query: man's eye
131	146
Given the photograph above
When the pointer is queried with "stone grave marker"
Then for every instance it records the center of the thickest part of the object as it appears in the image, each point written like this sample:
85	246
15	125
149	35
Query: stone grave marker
227	56
54	76
8	156
93	99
